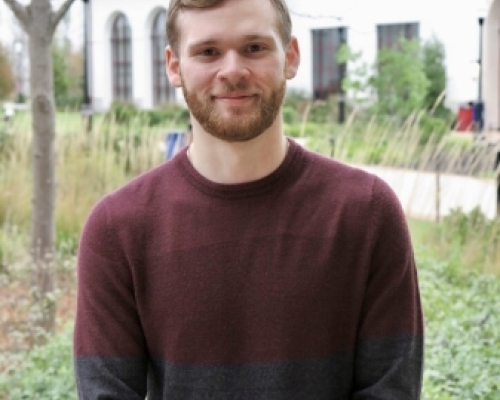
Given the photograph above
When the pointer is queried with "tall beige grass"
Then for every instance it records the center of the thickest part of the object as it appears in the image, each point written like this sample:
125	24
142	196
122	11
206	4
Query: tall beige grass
88	166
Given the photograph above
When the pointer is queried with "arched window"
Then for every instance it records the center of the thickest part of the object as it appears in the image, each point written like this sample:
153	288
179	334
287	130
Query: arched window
121	52
163	92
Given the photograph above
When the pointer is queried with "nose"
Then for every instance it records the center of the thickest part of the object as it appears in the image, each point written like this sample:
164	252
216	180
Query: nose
233	68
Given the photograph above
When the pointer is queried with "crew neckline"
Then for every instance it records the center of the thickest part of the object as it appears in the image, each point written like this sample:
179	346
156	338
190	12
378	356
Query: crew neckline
290	166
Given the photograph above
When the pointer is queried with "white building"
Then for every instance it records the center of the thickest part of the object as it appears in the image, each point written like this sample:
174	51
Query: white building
127	44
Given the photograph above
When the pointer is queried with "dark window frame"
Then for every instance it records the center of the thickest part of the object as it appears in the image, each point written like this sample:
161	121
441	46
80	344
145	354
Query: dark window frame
388	35
121	58
163	91
328	73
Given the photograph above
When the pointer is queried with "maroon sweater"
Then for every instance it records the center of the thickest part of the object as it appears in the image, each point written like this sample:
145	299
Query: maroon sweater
301	285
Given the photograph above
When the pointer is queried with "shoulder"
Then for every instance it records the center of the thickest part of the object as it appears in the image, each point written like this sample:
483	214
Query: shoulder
341	179
131	202
340	185
143	188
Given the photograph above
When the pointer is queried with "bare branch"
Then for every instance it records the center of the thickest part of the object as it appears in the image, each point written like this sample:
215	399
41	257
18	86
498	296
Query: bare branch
59	14
20	12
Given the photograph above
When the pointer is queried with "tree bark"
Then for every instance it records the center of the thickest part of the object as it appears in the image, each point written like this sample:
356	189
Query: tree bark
43	149
40	22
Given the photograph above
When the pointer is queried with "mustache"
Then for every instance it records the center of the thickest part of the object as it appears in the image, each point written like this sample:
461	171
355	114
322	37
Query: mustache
235	87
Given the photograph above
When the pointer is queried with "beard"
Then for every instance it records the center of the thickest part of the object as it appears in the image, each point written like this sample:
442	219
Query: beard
241	125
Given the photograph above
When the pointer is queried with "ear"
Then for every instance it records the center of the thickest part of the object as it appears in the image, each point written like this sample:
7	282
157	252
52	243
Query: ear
292	58
172	67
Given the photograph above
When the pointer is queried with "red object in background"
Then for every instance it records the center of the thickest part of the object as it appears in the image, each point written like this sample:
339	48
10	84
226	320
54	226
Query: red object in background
465	119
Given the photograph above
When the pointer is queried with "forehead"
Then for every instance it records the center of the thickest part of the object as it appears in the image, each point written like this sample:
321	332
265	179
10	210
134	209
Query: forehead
232	19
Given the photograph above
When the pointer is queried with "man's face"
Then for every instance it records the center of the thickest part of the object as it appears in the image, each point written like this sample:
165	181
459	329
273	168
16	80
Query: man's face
232	67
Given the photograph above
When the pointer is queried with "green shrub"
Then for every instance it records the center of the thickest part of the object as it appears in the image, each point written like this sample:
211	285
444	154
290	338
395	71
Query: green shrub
296	98
125	113
45	374
323	112
430	125
122	112
290	115
166	115
66	241
308	129
462	360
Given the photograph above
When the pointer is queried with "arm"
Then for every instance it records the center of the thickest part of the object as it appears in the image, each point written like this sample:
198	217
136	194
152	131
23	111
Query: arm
109	347
389	354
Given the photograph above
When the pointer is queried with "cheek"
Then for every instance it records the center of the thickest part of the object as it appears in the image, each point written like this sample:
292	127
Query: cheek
195	81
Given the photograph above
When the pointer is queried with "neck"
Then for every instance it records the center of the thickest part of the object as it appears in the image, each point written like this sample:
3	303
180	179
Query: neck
237	162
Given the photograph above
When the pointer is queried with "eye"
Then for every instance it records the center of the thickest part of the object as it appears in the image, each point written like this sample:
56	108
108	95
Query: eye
254	48
210	52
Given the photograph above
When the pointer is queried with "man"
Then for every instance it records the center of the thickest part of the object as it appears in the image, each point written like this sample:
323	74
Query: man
246	267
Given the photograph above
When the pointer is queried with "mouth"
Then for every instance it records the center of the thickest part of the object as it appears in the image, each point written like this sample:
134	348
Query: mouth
234	98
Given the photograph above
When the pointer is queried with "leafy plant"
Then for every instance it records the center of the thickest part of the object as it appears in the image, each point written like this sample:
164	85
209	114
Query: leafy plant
68	76
400	82
462	326
433	54
357	80
45	374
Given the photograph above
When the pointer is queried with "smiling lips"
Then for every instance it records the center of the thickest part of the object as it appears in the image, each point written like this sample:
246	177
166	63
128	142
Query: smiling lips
234	98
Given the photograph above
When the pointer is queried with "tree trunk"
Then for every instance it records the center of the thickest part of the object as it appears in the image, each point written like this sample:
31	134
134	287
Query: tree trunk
39	21
44	183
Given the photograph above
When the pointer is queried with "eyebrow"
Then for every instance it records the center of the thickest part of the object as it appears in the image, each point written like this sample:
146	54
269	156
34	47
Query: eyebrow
212	42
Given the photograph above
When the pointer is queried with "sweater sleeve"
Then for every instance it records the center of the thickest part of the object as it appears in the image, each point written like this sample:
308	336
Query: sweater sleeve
389	352
109	347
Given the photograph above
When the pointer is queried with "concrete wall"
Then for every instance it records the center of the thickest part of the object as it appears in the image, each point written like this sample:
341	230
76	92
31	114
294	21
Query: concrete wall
417	192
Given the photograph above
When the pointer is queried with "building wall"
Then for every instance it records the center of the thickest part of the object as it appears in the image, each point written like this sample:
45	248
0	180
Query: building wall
140	15
491	66
453	21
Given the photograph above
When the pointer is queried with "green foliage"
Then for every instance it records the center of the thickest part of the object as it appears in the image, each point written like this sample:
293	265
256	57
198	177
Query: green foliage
431	125
166	115
434	68
400	83
308	129
7	80
61	78
126	113
296	98
462	330
68	77
404	80
122	112
357	80
323	112
66	241
290	116
45	374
